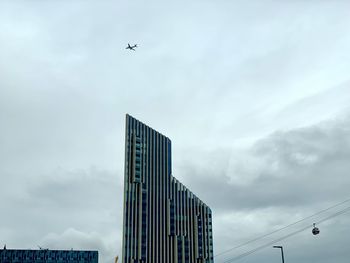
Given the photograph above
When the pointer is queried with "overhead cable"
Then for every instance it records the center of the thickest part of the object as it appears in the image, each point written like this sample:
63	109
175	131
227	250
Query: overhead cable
347	209
280	229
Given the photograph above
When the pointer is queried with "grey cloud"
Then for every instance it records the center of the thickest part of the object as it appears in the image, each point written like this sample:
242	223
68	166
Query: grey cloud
80	209
84	189
281	179
295	168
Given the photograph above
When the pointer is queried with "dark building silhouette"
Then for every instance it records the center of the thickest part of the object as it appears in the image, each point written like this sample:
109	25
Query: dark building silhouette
47	256
164	222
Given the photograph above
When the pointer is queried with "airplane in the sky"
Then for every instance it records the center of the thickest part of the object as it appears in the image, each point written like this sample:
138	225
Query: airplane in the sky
131	47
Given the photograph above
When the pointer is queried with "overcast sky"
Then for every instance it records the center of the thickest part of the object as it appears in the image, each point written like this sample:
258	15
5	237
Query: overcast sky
255	96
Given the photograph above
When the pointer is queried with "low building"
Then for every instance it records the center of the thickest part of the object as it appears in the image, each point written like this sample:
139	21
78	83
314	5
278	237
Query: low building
47	256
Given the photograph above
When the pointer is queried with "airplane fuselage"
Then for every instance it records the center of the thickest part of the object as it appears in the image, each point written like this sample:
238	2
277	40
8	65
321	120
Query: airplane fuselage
131	47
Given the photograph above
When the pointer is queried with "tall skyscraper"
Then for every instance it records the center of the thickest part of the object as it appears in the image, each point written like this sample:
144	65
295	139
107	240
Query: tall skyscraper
164	222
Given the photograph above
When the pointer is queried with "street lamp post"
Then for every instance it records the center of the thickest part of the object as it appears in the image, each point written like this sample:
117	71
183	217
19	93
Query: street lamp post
281	252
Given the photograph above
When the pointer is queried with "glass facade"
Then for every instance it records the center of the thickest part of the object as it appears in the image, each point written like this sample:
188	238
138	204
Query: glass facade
47	256
164	222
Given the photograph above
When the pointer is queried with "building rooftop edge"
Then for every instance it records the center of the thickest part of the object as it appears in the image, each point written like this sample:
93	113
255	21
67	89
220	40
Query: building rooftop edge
191	192
131	117
30	249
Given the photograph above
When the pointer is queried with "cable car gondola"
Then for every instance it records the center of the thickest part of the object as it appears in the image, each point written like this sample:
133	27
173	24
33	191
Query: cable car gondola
315	230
